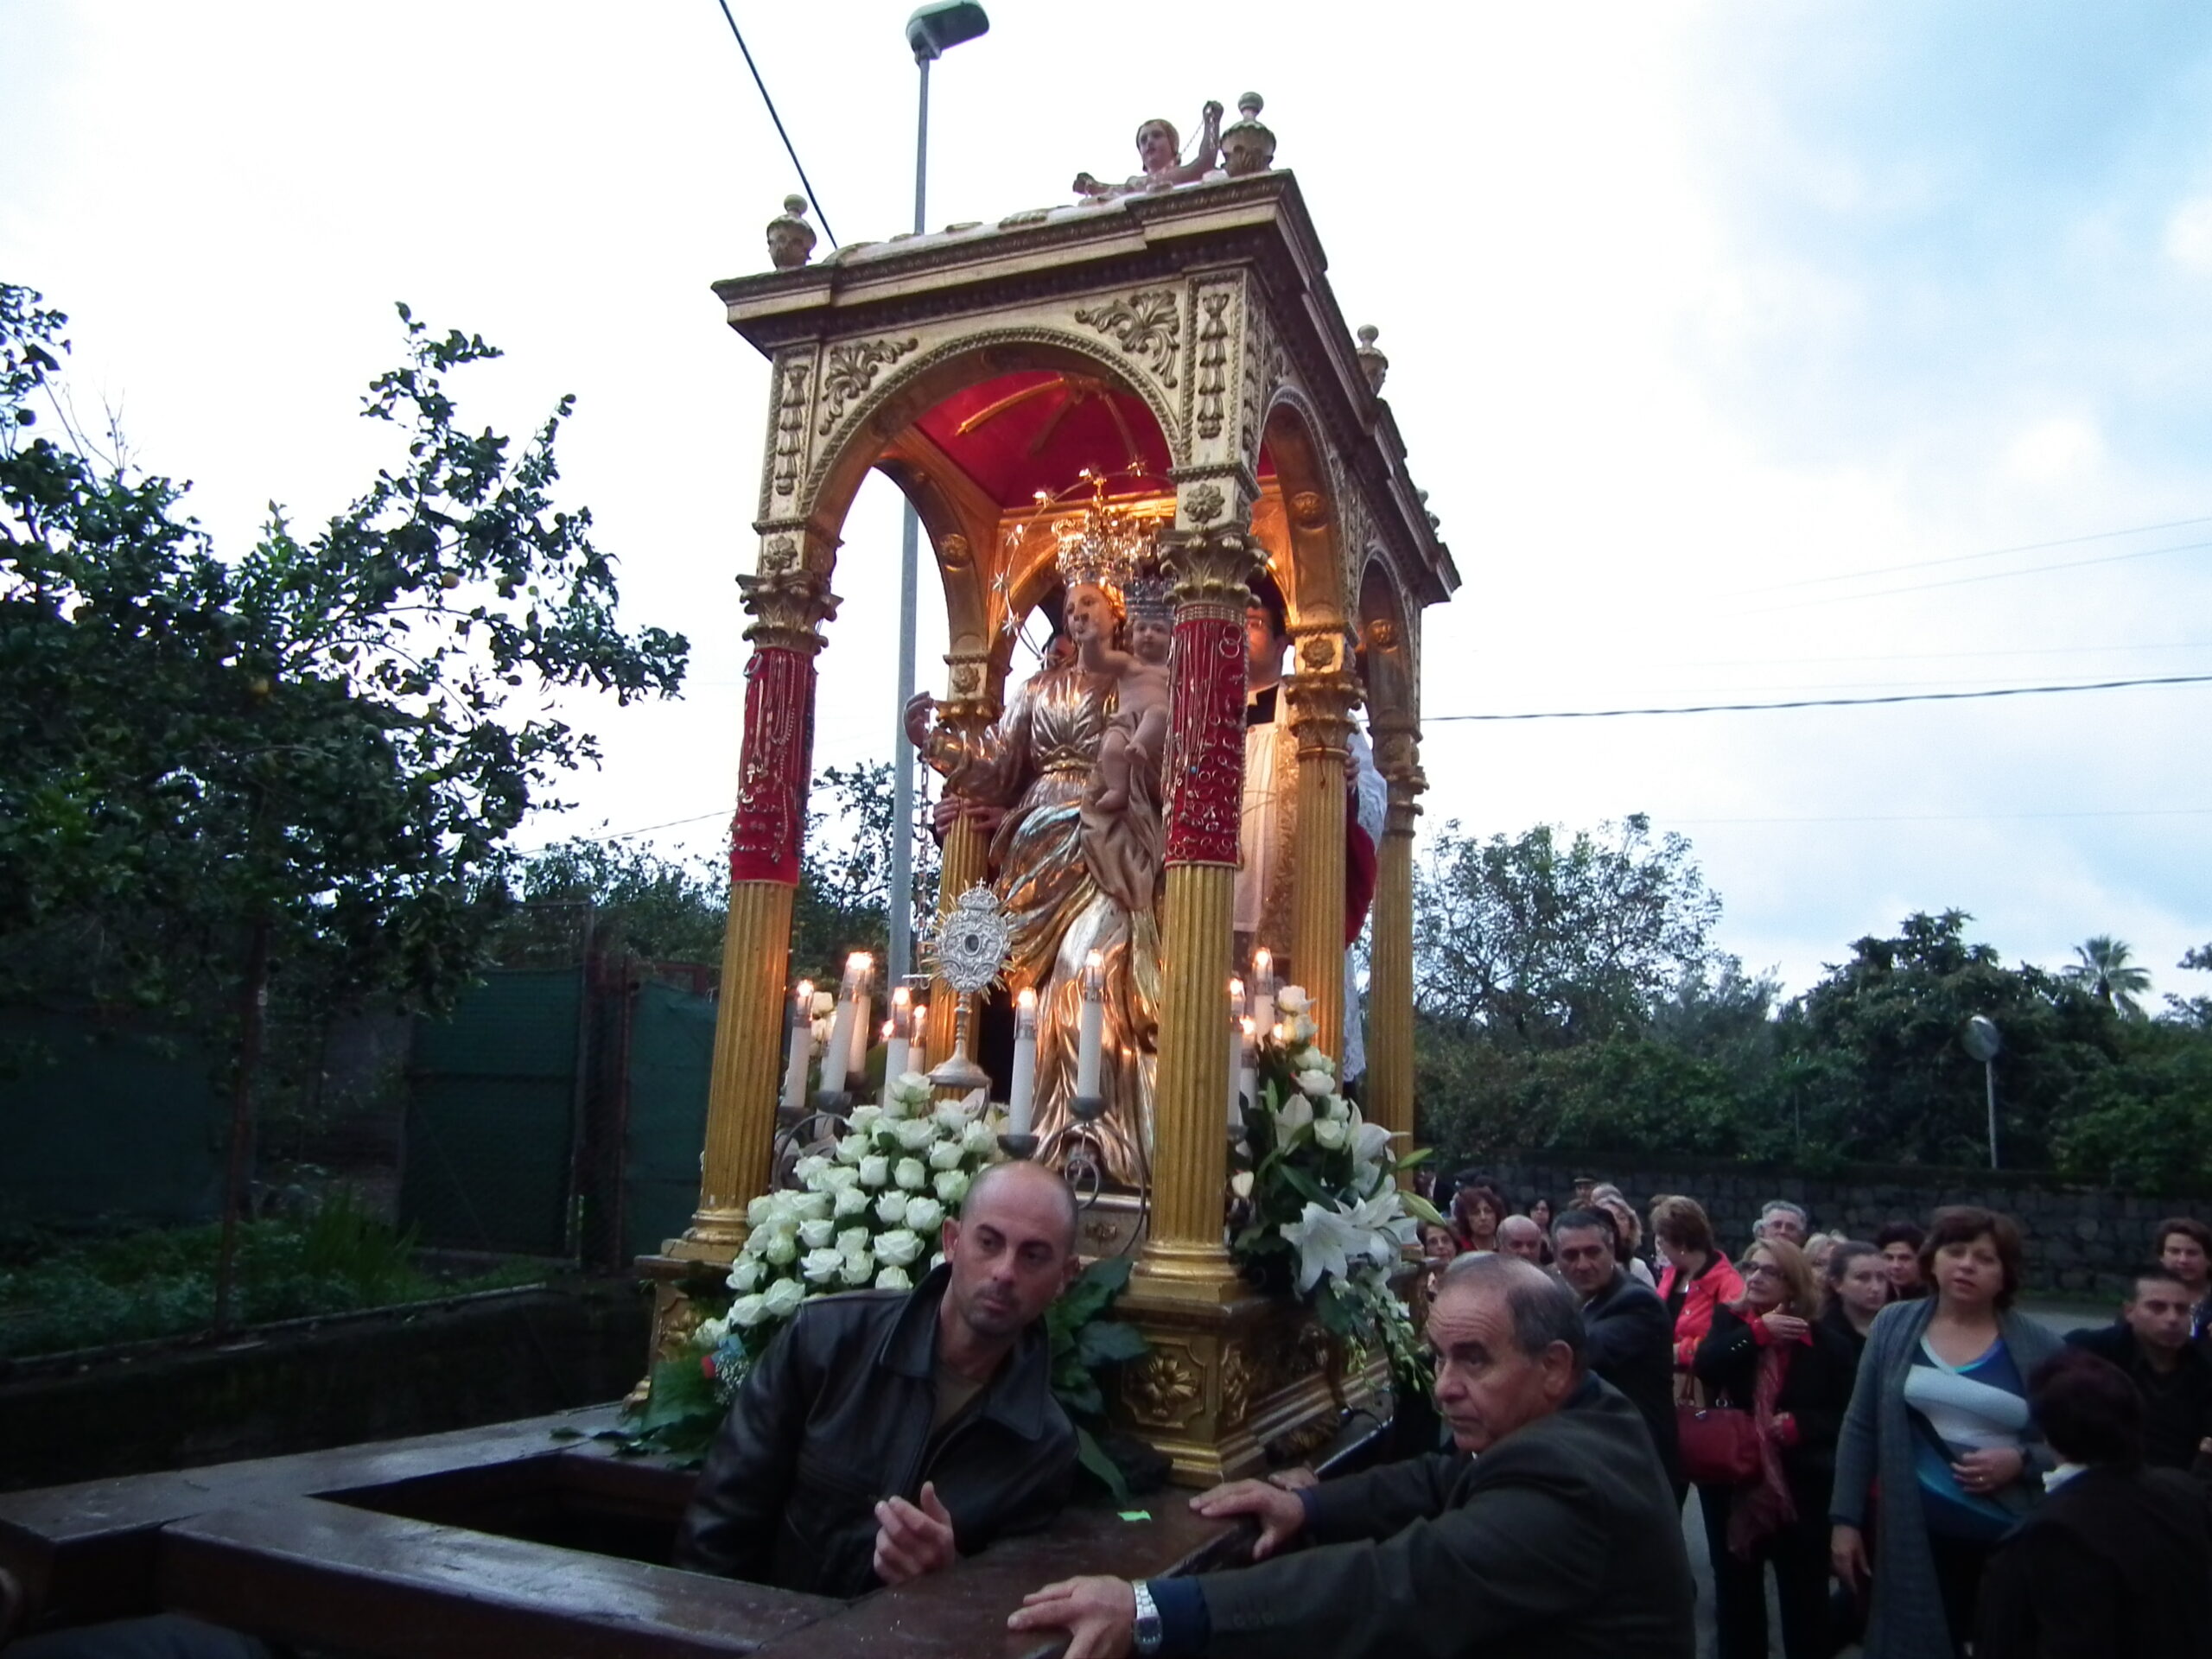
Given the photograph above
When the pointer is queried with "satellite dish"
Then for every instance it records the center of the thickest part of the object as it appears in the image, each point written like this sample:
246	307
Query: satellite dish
1979	1039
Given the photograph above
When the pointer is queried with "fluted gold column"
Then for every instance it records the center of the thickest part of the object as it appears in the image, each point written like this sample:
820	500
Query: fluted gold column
1321	697
1185	1257
787	598
1390	1029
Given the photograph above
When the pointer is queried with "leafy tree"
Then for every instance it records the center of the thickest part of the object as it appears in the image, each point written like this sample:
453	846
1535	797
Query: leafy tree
2102	966
1881	1072
2146	1123
655	908
844	902
1524	942
313	754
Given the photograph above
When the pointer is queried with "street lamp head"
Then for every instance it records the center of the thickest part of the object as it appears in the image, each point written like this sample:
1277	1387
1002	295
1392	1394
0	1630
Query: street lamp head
941	24
1981	1038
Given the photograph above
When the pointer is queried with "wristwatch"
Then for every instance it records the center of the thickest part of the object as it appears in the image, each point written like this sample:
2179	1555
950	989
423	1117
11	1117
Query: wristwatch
1147	1631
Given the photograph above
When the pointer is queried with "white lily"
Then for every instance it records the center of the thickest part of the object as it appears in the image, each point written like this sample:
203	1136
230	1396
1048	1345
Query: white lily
1323	1238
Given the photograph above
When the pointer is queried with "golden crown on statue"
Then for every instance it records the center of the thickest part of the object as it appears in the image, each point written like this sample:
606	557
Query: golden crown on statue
1104	547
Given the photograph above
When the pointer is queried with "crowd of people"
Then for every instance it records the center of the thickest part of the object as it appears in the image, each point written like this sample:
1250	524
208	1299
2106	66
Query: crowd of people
1924	1469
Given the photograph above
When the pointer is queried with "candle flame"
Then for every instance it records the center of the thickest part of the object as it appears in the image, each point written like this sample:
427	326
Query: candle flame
1235	990
1248	1028
901	997
1262	959
886	1030
806	990
1027	1001
1095	960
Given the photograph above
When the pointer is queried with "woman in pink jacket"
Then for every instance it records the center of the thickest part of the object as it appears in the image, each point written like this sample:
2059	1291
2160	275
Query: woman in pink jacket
1697	1278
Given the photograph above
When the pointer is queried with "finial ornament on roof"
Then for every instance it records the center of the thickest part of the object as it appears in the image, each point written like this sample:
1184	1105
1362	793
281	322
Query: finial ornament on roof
1371	359
791	238
1249	147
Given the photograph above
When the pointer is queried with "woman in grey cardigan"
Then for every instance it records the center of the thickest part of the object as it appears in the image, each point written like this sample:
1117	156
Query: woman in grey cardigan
1939	1421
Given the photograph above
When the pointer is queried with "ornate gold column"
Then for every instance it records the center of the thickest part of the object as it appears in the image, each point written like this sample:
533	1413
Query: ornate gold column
1390	1032
964	858
1322	696
1202	778
786	600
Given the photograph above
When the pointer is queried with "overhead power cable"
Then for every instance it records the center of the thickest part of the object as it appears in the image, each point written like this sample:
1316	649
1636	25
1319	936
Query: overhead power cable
1968	582
790	148
1828	702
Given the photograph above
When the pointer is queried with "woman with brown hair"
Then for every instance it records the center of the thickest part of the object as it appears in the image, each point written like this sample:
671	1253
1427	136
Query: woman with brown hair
1939	1443
1477	1212
1698	1277
1768	1354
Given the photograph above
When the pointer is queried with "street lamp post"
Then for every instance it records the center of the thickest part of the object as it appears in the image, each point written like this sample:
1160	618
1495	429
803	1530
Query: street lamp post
930	32
1981	1041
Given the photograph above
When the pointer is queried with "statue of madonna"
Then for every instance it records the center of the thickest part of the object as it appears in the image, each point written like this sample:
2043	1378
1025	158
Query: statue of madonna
1075	875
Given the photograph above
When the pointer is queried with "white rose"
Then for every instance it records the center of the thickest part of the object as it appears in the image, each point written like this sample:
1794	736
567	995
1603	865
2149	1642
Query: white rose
861	1116
1334	1107
838	1176
781	1250
875	1170
1241	1184
1291	999
824	1003
1330	1134
947	1154
851	1200
810	1169
910	1174
821	1266
891	1208
951	1118
977	1138
858	1269
893	1278
852	1149
764	1210
781	1299
1303	1030
1318	1084
810	1206
916	1133
924	1216
816	1235
898	1246
853	1238
749	1311
744	1273
711	1334
952	1185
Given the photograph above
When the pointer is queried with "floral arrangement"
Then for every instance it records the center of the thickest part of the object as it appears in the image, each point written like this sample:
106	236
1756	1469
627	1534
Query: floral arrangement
1324	1213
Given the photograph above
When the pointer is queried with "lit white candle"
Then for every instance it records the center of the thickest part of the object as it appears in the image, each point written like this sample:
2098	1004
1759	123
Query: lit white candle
802	1042
1264	989
857	1064
918	1038
1248	1076
1091	1029
837	1052
894	1043
1022	1087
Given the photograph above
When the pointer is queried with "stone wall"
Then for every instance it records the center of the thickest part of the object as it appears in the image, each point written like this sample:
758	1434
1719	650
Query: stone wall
2081	1241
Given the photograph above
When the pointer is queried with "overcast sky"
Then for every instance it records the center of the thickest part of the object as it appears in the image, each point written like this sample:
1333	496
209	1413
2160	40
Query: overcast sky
1714	330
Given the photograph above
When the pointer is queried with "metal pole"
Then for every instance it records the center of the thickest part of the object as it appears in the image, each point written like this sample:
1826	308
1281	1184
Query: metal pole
1989	1077
902	780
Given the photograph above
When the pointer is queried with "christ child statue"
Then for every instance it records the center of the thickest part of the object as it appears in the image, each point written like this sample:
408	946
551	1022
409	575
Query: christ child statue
1137	734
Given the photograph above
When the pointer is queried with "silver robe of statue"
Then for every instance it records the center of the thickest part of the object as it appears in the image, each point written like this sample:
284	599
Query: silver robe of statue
1072	881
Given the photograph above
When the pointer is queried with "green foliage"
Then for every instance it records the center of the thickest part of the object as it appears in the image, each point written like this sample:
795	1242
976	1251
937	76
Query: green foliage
842	904
1526	943
330	737
2102	967
134	1286
641	904
2147	1123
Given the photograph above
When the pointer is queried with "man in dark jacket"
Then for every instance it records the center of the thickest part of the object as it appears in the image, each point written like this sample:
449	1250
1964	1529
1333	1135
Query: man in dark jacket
2150	1342
2116	1560
1630	1341
1559	1536
884	1433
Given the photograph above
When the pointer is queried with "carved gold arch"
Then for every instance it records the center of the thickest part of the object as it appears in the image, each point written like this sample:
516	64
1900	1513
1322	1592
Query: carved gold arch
1311	528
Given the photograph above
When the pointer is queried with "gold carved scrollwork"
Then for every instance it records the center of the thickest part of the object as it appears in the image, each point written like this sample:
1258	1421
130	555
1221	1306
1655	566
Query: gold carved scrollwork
852	370
1145	325
779	553
1321	704
1166	1388
1204	504
1213	360
791	426
1237	1375
1211	569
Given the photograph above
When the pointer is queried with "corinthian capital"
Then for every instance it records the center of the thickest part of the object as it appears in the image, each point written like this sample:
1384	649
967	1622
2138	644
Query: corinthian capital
786	603
1211	570
1321	704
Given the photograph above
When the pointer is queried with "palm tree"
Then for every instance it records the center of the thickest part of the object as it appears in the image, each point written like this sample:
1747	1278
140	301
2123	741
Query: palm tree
2103	970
